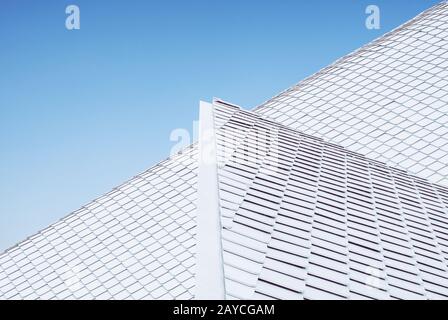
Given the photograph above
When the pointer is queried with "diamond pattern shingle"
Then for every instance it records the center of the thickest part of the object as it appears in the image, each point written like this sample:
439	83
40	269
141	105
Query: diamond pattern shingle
388	100
302	216
136	242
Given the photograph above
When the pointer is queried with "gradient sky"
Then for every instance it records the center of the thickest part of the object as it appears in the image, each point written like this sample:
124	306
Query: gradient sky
82	111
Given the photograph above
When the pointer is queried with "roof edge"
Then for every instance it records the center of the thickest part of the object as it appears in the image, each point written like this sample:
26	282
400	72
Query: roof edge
209	259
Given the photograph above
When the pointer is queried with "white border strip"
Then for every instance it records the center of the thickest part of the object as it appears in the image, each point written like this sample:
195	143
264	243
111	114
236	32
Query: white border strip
209	261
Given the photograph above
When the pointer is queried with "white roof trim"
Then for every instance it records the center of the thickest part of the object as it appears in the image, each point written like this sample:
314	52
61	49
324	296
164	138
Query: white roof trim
209	262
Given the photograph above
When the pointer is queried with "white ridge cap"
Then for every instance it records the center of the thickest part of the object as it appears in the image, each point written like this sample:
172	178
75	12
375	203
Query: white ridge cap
209	262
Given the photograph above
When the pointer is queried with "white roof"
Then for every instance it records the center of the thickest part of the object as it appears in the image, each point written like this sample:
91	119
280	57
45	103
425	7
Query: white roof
307	219
388	100
299	217
136	242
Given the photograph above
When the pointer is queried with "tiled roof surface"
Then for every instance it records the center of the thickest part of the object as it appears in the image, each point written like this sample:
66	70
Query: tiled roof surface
136	242
307	219
302	218
387	100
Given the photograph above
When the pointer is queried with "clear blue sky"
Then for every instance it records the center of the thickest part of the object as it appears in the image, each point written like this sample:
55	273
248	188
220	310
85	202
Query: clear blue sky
81	111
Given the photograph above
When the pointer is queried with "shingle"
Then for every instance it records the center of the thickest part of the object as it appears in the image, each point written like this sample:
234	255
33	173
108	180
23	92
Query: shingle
304	217
339	241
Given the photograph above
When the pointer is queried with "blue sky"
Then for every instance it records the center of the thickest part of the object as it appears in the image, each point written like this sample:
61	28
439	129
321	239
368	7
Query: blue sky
83	110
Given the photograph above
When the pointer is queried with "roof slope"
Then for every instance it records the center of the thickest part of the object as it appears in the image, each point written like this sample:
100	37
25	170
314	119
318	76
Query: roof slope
301	218
322	216
304	218
388	100
136	242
